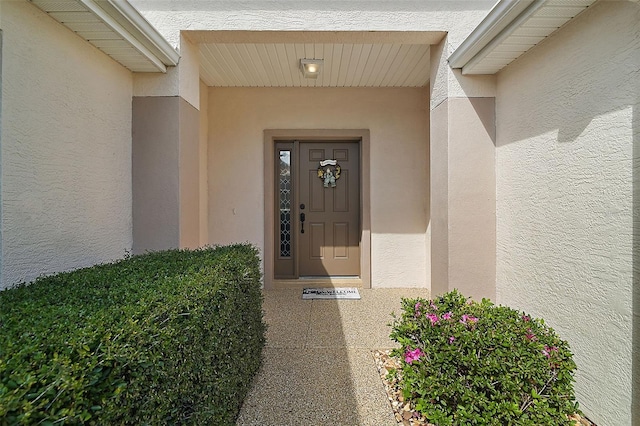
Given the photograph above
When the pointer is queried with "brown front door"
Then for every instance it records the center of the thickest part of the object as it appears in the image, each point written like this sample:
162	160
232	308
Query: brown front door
329	245
320	222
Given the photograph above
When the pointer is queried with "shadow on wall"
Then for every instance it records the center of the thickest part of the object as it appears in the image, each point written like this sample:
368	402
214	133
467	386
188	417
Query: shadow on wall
488	120
570	81
569	102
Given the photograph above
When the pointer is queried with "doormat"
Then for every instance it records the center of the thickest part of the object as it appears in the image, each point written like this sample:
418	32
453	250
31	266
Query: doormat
331	293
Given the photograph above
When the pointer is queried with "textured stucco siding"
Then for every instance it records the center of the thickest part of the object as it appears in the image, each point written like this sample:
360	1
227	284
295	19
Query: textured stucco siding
567	124
189	165
203	142
459	17
182	80
156	173
66	149
398	122
446	83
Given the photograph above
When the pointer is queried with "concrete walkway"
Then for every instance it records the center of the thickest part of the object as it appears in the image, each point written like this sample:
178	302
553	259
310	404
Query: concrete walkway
318	367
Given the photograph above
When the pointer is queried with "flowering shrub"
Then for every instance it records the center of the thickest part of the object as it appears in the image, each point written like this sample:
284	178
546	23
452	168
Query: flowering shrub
470	363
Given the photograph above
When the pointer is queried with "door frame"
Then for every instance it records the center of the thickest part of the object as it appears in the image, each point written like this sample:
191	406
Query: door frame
356	135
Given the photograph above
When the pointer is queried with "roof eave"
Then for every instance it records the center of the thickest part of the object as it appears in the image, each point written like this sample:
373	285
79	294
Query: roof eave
143	48
159	45
483	51
498	18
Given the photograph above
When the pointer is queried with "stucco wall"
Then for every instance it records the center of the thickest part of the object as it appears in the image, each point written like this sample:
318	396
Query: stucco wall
166	174
181	80
189	175
66	148
398	121
567	122
156	173
459	17
463	197
203	143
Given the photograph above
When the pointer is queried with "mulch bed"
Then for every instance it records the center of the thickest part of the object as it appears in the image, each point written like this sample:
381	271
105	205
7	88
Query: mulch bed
403	410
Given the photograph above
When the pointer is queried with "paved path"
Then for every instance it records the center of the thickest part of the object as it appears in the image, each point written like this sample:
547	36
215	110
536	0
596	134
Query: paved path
318	367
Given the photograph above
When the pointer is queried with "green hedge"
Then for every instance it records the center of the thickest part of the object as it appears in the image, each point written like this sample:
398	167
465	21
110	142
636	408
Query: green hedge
171	337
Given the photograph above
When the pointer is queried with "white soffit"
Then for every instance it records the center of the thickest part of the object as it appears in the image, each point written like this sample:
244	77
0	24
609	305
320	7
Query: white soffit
350	59
510	29
116	28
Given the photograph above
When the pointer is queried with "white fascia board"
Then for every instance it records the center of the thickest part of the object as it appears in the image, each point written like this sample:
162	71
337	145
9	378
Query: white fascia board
130	38
163	49
112	23
468	68
499	18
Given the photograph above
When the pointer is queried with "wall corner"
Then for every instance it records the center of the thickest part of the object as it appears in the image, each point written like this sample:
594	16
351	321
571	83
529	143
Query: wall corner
463	186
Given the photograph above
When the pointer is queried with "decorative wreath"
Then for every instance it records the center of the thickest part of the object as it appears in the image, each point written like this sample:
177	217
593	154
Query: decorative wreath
329	172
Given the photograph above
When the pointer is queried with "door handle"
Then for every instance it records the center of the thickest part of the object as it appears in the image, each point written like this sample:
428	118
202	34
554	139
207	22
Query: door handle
302	219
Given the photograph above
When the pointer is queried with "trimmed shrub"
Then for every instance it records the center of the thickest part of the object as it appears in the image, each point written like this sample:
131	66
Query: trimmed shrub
171	337
470	363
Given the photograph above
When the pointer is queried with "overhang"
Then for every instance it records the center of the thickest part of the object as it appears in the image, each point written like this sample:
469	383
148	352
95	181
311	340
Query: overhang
510	29
351	58
116	28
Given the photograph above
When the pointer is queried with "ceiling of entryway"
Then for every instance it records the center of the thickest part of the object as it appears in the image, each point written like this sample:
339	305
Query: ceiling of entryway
351	59
345	65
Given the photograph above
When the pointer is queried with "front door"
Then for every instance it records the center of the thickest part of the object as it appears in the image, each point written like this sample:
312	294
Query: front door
319	209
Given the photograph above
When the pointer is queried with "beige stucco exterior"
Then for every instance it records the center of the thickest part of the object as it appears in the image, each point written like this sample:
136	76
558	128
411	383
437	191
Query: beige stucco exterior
203	158
189	169
156	174
462	158
458	17
463	197
397	120
567	169
66	149
166	173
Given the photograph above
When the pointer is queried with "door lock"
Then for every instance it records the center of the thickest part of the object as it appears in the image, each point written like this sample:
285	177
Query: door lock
302	219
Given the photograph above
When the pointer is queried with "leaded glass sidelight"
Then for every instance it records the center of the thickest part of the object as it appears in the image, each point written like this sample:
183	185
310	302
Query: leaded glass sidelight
284	202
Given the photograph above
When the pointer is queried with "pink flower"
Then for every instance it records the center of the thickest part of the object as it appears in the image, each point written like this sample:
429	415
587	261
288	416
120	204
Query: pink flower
434	307
530	335
433	318
447	316
413	355
451	339
547	351
468	318
526	318
417	309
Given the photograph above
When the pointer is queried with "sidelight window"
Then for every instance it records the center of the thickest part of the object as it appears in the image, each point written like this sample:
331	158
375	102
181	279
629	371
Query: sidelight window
284	202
